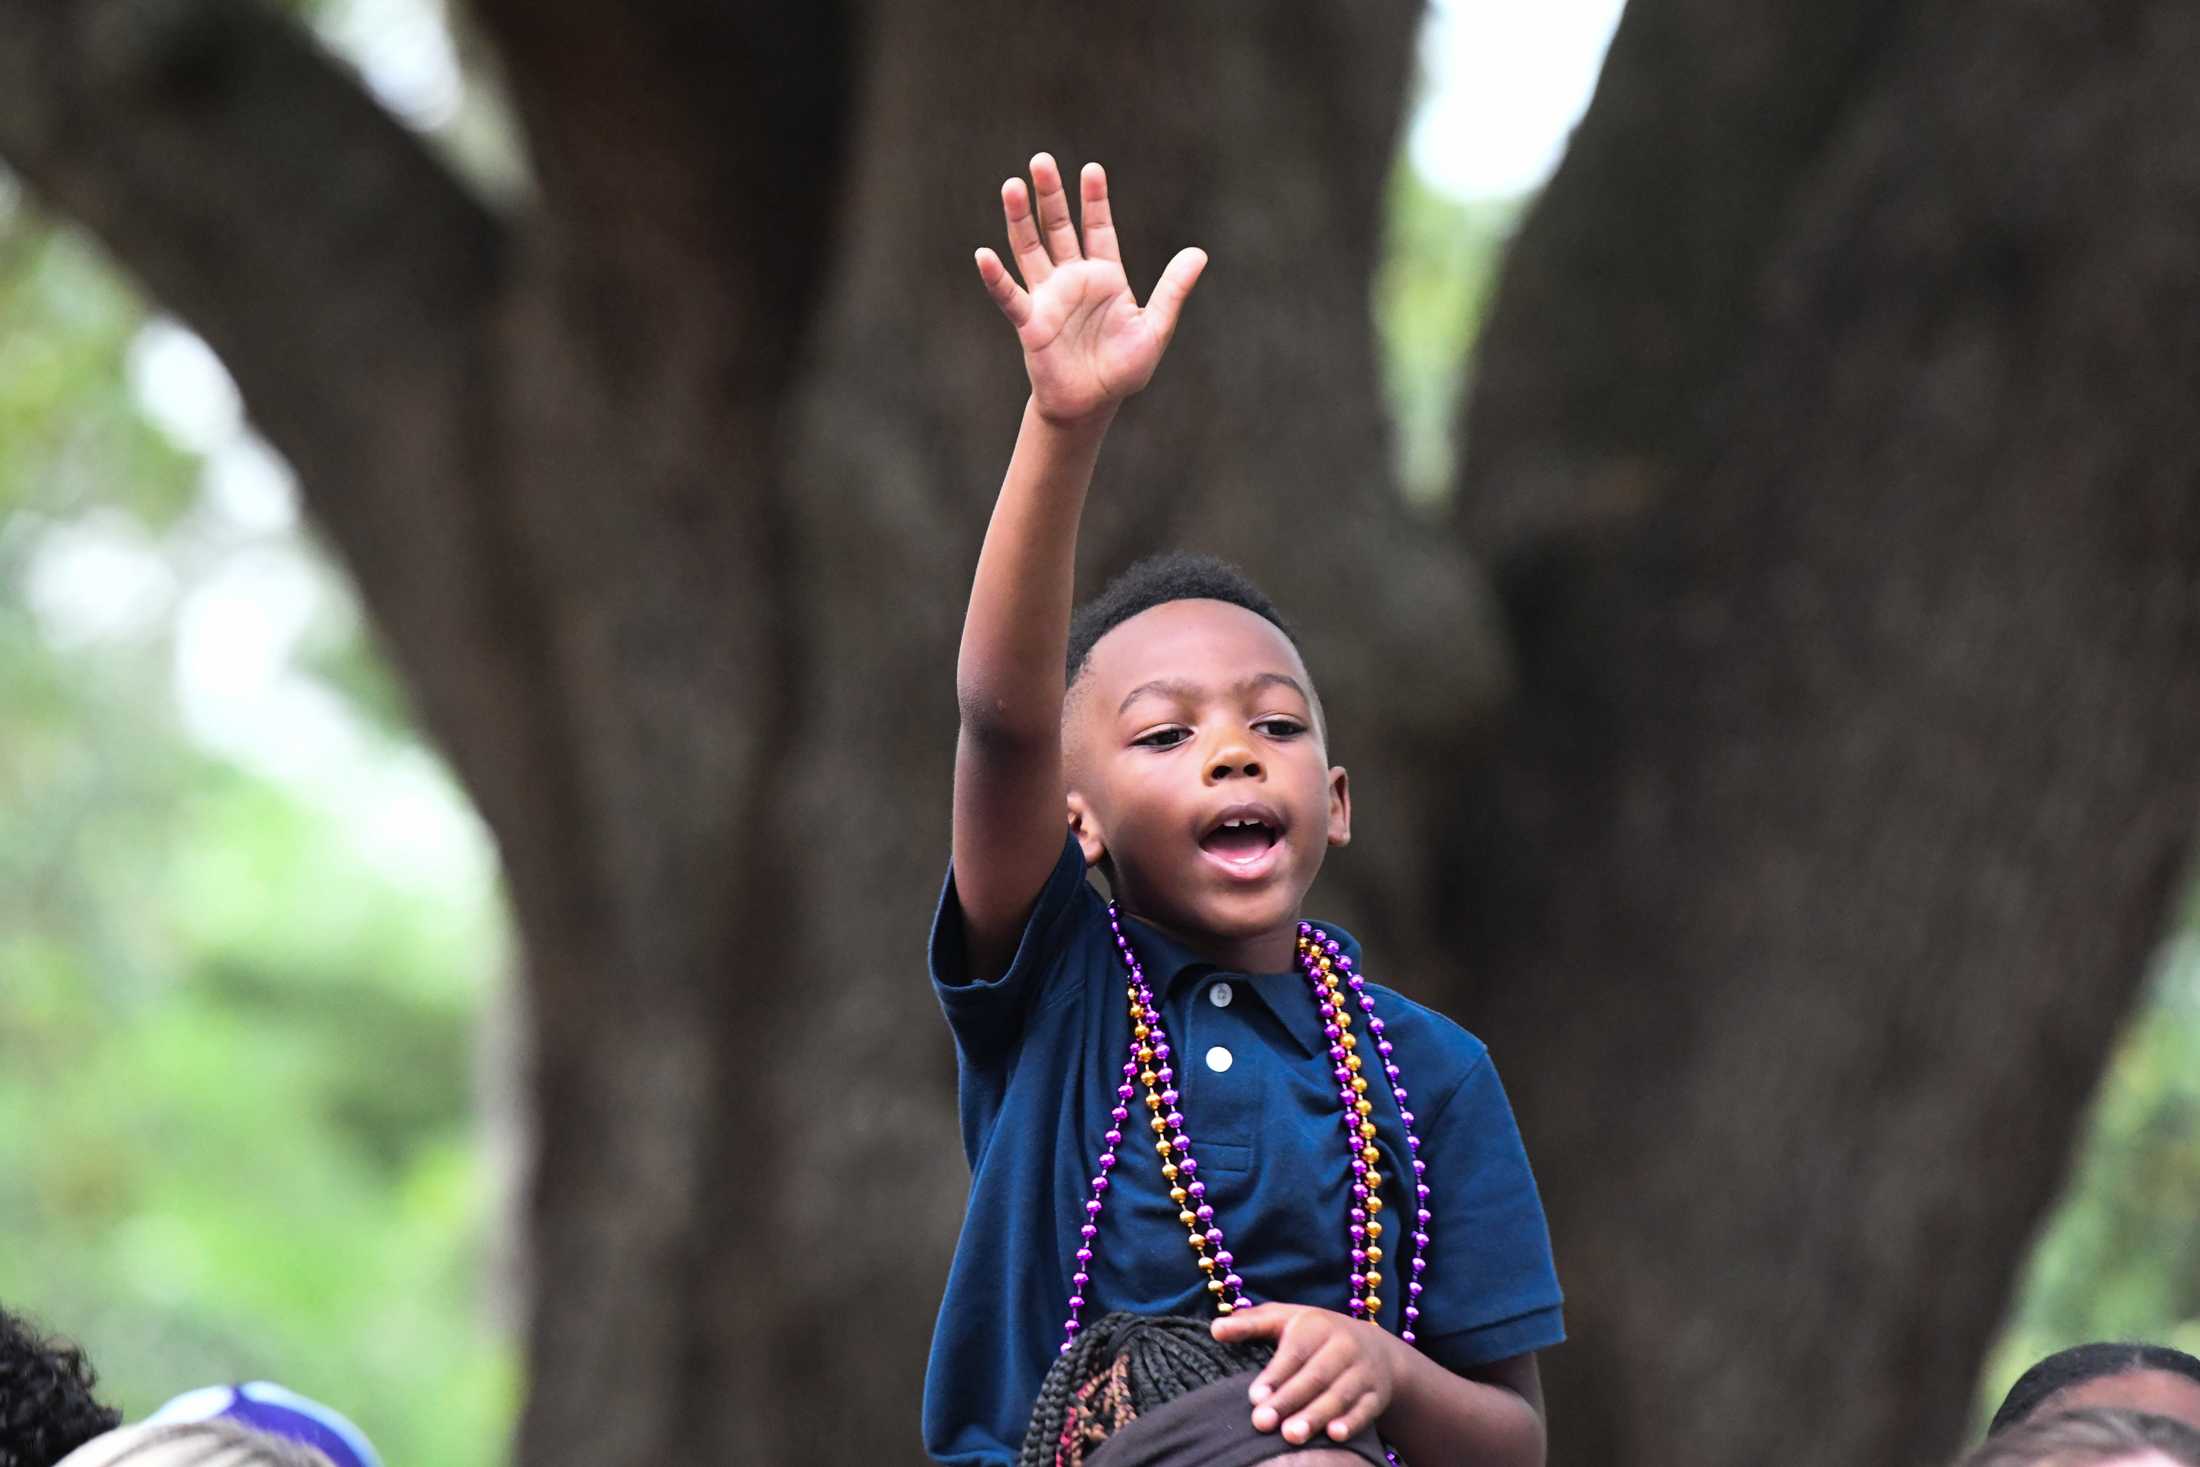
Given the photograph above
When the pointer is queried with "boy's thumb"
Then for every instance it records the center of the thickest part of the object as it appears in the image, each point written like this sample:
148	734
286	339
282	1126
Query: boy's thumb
1176	283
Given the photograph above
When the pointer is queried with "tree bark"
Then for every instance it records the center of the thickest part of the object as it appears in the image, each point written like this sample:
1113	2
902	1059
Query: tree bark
1268	145
1832	454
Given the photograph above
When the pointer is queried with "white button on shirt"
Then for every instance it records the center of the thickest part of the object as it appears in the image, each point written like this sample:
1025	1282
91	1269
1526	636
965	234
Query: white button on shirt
1220	995
1218	1059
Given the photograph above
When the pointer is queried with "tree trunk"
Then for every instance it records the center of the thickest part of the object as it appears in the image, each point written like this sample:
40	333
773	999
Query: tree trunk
1832	451
1269	145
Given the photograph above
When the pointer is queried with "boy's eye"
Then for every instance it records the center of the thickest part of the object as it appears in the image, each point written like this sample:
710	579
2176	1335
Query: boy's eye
1280	728
1162	738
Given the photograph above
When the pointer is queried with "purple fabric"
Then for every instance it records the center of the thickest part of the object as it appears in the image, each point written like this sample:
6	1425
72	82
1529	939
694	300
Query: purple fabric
1213	1427
296	1425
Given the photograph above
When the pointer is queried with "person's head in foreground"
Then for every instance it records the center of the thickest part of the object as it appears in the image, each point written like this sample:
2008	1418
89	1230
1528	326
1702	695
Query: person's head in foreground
193	1444
1195	751
2096	1437
2150	1378
46	1403
1142	1392
258	1424
263	1406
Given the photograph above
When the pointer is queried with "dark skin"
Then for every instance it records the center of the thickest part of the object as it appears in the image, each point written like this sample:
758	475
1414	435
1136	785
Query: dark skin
1189	715
1191	762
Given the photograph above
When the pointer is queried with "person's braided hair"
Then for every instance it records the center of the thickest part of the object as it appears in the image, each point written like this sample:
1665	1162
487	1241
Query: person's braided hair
47	1408
1119	1367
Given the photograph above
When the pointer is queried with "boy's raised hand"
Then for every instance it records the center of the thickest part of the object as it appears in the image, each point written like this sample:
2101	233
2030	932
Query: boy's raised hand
1087	342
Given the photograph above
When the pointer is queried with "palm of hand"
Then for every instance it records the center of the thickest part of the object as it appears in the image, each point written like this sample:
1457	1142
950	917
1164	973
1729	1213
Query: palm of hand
1087	343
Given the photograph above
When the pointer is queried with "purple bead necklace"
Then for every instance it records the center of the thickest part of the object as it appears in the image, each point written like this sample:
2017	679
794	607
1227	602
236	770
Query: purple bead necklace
1336	990
1149	1065
1324	964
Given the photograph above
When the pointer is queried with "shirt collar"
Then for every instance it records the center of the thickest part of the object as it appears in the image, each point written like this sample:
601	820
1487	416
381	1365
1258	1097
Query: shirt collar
1168	962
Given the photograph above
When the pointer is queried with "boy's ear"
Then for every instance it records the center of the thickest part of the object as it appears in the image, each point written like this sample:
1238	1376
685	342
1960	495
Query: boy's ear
1340	807
1085	825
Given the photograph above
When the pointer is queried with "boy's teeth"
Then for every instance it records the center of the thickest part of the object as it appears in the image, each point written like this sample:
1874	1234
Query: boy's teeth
1240	839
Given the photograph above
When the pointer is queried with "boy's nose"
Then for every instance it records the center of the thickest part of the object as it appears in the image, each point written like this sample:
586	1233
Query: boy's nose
1232	763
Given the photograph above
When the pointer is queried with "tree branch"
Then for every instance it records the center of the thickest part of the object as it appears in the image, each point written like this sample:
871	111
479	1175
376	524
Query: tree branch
689	155
253	187
1634	276
349	283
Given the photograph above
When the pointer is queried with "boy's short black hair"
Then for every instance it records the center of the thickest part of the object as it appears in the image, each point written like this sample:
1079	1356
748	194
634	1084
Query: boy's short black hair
2079	1363
1173	575
47	1409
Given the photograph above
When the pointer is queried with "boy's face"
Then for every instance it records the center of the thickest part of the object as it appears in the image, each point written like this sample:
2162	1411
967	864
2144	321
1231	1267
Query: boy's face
1198	768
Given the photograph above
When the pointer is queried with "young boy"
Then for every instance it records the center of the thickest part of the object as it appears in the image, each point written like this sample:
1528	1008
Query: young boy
1187	751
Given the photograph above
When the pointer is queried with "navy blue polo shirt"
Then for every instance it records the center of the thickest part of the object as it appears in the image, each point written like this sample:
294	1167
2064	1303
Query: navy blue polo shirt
1040	1051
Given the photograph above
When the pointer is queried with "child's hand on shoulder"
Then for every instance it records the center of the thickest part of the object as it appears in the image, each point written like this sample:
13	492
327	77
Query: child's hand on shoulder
1331	1372
1087	342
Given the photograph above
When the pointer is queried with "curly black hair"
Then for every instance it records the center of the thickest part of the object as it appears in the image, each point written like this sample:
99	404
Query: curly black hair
1173	575
47	1409
2081	1363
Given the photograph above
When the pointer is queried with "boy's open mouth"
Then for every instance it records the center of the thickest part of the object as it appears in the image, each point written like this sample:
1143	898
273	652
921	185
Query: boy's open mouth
1242	837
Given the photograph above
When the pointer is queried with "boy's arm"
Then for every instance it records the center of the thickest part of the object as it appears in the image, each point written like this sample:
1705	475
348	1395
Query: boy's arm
1493	1416
1087	345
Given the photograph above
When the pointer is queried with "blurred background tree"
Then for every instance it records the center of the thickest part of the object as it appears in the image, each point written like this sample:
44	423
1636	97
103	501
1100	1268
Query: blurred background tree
239	983
236	1032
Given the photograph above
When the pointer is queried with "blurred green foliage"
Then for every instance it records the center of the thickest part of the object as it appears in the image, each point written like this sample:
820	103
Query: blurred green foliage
1438	267
71	439
237	1136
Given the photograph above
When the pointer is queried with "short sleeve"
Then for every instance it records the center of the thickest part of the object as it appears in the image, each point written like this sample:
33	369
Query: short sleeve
1491	1289
986	1017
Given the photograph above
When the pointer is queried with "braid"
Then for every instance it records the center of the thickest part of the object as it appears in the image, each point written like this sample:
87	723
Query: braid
1168	1358
1118	1368
1046	1436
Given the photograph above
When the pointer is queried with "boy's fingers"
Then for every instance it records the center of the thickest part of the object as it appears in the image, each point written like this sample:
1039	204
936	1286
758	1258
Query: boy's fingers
1054	222
1099	219
1248	1322
1023	233
1313	1376
1013	302
1331	1404
1291	1353
1358	1419
1176	283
